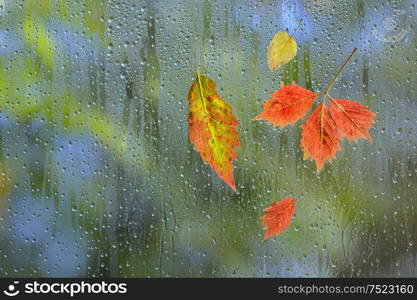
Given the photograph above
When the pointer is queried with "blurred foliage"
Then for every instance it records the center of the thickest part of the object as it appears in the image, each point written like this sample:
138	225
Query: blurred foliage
102	180
3	191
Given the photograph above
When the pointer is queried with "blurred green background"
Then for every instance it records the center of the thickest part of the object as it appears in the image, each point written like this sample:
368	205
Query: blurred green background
98	177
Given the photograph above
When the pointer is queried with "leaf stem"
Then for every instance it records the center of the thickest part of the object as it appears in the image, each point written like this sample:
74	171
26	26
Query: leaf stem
200	88
296	29
207	116
326	91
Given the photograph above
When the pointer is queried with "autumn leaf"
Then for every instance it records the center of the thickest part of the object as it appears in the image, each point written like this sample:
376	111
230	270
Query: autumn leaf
287	105
324	128
281	50
278	216
212	127
319	137
352	119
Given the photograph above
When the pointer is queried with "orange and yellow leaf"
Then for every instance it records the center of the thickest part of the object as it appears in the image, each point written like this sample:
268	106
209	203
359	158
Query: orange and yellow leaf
212	128
320	138
278	216
287	105
352	119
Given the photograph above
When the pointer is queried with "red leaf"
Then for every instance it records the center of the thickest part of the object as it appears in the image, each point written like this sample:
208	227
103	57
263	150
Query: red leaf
353	120
287	105
320	138
278	216
324	129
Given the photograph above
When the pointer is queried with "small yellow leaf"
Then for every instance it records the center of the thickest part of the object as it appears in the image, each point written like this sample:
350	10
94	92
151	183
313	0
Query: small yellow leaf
281	50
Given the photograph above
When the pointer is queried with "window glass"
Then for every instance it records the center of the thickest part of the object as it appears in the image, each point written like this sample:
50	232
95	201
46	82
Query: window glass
98	175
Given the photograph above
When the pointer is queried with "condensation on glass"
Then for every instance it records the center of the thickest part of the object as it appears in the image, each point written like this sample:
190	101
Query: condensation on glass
98	177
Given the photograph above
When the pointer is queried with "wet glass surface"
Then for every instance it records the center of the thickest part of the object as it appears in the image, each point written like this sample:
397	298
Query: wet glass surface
99	177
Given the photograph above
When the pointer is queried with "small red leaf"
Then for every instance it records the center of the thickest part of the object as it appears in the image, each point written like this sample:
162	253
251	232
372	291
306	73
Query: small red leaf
353	119
278	216
287	105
